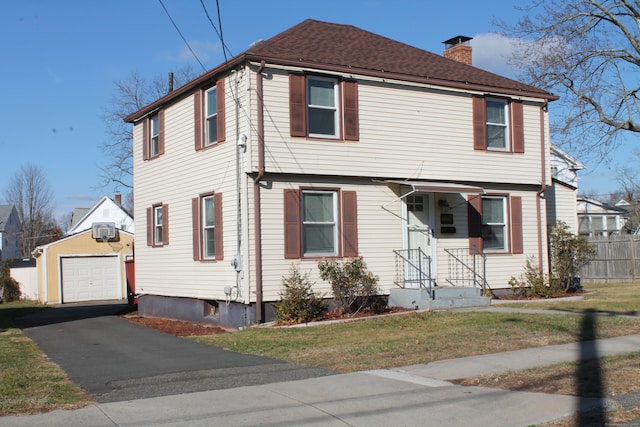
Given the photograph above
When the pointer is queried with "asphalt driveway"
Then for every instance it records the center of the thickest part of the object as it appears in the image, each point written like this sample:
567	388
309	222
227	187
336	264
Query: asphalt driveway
116	360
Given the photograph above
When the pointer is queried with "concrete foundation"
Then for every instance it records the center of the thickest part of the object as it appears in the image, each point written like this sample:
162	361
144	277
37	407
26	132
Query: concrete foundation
443	298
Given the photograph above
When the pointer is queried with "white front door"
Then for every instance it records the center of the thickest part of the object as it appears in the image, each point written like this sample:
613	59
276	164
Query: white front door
419	239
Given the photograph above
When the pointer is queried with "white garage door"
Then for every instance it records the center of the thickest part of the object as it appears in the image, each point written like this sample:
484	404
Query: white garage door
90	278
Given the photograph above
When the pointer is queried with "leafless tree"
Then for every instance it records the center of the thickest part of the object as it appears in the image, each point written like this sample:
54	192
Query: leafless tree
30	193
130	94
588	53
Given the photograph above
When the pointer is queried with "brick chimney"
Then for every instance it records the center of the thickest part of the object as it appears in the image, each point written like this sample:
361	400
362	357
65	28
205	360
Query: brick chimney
458	49
118	198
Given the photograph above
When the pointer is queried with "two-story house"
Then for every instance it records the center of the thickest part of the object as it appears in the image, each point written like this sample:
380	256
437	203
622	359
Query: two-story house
330	141
10	233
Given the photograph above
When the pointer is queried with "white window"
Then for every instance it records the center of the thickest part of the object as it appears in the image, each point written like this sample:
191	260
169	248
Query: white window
157	225
208	228
323	107
497	129
211	117
319	223
154	147
494	223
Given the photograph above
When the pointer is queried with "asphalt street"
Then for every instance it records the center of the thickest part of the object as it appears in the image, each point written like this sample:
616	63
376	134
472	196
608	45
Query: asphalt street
116	360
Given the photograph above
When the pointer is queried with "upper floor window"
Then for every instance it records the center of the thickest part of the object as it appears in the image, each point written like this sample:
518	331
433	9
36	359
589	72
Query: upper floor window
209	116
158	225
153	136
497	126
154	148
323	107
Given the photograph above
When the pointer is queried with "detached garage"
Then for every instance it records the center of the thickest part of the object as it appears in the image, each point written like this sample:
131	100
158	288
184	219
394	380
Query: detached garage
83	268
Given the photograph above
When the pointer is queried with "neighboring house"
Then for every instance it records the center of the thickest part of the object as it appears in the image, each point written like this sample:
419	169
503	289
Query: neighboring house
330	141
88	263
632	225
561	196
600	219
10	233
106	210
81	267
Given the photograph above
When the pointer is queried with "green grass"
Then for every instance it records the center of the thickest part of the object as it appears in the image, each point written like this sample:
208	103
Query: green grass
417	338
619	298
29	382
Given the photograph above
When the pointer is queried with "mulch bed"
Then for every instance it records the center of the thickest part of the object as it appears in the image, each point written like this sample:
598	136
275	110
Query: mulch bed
178	328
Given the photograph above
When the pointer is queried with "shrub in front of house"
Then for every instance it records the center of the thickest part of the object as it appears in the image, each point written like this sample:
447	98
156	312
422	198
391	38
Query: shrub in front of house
298	303
352	284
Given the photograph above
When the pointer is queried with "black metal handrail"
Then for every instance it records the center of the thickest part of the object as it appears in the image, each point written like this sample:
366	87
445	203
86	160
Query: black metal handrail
413	266
467	267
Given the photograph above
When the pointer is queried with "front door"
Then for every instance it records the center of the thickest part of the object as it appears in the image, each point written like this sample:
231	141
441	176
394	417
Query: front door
419	240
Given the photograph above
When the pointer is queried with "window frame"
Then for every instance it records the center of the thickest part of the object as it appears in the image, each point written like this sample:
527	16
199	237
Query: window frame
154	135
153	227
504	224
306	224
157	228
205	227
198	227
336	107
208	118
505	126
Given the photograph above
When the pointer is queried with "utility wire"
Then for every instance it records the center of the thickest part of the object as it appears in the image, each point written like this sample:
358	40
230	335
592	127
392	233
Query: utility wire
183	39
225	48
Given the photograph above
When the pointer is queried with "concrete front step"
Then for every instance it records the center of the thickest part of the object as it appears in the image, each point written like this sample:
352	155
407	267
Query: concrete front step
444	298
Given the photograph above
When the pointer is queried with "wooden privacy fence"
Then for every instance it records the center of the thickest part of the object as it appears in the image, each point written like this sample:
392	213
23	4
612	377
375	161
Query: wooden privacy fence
617	258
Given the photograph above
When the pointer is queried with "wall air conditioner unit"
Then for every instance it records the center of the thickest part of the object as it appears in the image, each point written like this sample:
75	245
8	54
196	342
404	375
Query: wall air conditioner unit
103	231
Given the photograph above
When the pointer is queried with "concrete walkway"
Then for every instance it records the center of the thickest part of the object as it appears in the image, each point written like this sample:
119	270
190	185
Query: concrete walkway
417	395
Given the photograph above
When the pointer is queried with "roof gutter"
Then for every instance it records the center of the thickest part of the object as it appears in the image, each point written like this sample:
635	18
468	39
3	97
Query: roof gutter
256	194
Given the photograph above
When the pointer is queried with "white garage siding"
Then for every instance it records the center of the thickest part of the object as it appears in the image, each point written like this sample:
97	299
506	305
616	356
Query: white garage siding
90	278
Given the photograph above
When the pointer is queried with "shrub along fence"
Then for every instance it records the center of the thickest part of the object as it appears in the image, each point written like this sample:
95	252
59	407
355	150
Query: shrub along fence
617	259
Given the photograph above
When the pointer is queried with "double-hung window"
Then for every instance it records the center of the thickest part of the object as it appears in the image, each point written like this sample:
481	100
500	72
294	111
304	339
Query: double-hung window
494	223
211	117
319	223
207	227
322	96
154	145
497	126
158	225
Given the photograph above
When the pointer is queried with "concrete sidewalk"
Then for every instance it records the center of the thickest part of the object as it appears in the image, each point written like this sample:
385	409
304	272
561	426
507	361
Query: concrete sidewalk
416	395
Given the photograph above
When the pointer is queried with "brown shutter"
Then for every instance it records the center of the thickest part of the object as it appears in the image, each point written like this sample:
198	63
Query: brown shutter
479	123
145	139
165	225
516	225
518	126
351	127
149	226
292	225
217	231
195	226
160	132
298	104
349	224
197	119
474	218
220	116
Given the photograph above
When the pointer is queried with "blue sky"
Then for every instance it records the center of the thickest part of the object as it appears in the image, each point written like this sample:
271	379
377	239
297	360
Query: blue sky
60	59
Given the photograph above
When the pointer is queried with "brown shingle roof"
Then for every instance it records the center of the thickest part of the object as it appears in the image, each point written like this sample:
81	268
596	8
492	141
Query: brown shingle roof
348	49
345	46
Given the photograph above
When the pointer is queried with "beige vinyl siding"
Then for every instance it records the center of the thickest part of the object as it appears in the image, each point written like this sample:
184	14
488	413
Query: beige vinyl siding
420	133
174	179
379	232
563	206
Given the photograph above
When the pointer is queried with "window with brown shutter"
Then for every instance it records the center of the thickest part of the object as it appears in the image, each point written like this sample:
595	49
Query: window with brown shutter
323	107
209	116
479	123
474	220
197	120
206	219
501	131
158	225
314	224
517	121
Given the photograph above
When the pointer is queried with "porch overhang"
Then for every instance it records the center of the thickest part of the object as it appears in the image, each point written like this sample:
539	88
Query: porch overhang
438	187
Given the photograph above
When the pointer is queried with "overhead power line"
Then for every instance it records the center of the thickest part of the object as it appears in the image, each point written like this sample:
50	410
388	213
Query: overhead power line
180	32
